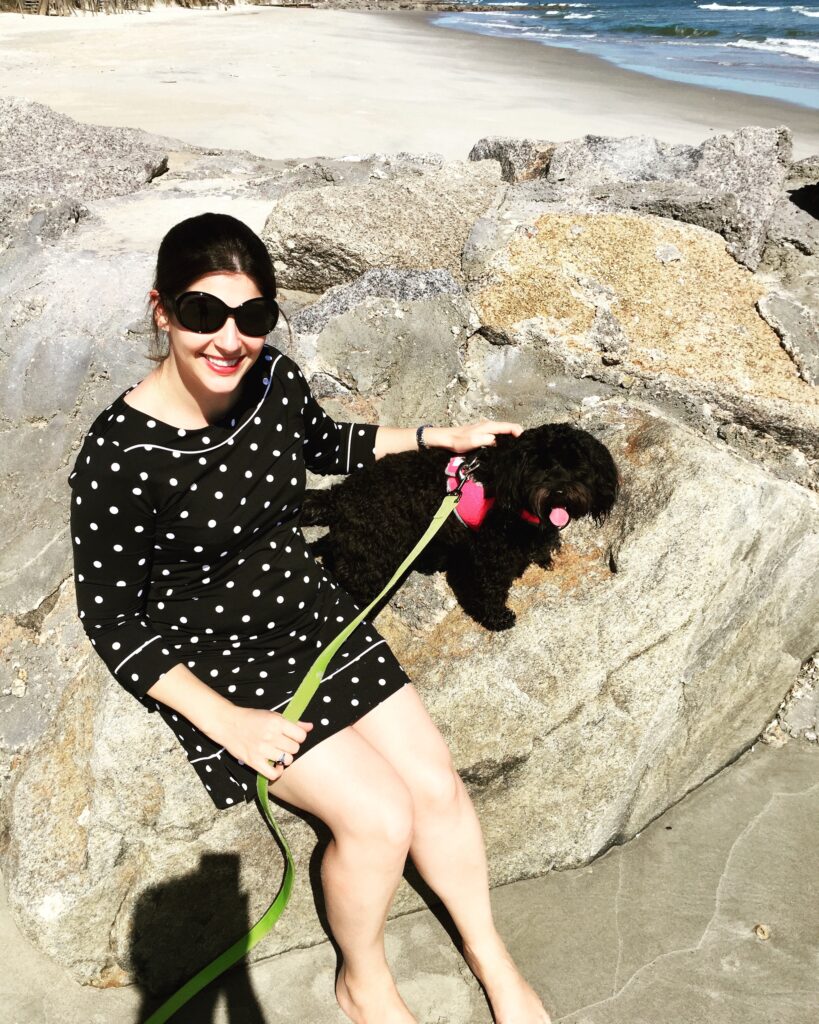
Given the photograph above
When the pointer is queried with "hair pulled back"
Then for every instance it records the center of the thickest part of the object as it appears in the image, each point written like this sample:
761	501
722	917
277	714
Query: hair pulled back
206	244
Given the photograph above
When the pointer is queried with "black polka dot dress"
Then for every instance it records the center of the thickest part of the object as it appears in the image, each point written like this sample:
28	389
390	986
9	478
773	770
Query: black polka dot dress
187	548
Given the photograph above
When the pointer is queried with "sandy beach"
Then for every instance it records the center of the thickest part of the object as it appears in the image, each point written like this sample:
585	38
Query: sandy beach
300	83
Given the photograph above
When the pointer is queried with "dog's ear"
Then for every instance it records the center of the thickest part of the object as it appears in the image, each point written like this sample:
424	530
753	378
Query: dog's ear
506	469
606	481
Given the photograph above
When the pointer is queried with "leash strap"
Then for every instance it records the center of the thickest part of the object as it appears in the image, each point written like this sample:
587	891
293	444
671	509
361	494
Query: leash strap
293	712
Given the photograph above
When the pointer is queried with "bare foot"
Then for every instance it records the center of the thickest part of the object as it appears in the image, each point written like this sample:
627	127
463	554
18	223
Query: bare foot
376	1002
513	999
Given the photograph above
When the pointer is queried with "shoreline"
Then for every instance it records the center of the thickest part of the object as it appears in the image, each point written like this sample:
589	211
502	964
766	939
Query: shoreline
347	82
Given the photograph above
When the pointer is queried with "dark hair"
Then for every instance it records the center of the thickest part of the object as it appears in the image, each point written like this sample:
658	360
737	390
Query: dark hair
207	244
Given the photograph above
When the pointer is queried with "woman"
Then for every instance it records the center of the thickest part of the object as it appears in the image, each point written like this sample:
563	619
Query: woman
196	587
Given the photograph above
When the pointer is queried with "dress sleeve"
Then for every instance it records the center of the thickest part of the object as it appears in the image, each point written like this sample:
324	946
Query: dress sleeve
329	447
112	531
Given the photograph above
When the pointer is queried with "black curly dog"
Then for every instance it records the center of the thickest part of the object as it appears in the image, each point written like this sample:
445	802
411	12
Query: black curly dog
377	514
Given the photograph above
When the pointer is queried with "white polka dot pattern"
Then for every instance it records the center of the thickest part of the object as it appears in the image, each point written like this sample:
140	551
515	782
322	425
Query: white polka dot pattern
187	550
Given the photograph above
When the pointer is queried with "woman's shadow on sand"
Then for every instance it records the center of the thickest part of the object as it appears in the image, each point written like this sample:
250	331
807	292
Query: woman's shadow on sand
182	925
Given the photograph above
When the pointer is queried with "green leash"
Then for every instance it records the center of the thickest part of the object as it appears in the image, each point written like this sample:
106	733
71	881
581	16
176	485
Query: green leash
293	712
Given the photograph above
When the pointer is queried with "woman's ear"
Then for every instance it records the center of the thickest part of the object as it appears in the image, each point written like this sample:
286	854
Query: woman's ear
158	310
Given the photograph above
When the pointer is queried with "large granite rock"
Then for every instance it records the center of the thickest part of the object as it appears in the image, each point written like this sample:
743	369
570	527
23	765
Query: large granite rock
643	302
729	184
390	327
642	330
651	654
67	326
798	330
520	159
330	235
52	165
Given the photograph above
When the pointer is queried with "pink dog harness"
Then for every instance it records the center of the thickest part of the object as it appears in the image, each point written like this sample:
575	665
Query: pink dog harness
473	505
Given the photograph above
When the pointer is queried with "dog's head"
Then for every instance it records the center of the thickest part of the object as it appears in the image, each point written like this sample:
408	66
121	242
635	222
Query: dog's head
556	464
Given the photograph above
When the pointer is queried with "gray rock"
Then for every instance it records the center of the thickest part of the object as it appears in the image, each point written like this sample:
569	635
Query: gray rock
798	714
31	220
607	333
791	228
400	285
729	183
803	172
387	345
603	159
798	331
668	253
752	164
330	235
697	636
678	200
348	170
67	349
551	284
50	165
520	159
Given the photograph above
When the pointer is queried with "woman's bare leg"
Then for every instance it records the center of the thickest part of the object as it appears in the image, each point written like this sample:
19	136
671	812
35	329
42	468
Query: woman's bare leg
447	846
344	781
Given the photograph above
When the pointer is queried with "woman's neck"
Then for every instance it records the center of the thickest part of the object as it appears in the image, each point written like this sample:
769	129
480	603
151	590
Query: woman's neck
164	394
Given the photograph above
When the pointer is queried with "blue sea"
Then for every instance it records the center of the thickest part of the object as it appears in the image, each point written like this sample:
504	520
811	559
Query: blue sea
759	49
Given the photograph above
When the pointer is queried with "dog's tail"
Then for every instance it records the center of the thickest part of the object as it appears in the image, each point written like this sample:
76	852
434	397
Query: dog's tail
317	507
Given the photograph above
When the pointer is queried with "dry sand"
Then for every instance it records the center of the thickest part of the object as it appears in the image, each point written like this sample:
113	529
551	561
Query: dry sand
299	83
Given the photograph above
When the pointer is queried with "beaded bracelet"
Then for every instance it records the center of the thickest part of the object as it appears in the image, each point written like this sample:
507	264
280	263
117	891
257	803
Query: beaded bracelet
419	436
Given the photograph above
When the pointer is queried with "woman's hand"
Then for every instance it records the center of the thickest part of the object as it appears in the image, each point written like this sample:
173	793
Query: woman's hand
476	435
254	735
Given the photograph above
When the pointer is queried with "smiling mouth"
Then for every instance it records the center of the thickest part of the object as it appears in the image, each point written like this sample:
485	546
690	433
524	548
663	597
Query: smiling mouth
223	362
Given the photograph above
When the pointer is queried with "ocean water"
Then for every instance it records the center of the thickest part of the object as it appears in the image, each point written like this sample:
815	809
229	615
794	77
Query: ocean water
769	49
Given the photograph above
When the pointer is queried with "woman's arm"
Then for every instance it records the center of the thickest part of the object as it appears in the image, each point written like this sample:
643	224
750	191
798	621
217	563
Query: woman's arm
113	530
255	736
390	440
208	710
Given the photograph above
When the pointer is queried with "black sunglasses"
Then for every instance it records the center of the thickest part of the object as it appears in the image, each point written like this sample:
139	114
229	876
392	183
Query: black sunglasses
204	313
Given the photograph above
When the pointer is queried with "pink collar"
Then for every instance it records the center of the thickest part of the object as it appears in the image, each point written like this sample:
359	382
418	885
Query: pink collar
474	505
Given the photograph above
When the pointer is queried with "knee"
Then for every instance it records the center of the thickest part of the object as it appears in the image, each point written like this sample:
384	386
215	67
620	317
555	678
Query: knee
437	788
386	820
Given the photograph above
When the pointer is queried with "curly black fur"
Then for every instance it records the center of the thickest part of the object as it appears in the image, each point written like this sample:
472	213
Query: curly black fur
376	515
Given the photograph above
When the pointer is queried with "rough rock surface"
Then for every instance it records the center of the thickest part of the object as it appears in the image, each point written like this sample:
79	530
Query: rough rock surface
697	636
729	183
361	340
797	330
329	236
798	714
629	298
67	344
450	304
789	263
51	165
520	159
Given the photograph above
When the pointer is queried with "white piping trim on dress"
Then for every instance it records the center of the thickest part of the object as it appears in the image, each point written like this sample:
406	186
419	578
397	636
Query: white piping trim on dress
349	445
207	757
140	648
347	664
199	451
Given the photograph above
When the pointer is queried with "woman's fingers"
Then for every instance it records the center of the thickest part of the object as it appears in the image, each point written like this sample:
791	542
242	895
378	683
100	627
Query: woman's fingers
483	432
501	427
296	730
284	746
271	772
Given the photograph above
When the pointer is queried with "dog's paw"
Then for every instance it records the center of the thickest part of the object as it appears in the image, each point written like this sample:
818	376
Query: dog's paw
497	621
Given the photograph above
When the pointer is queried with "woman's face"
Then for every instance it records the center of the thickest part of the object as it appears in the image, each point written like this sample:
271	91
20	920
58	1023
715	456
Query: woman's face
213	362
